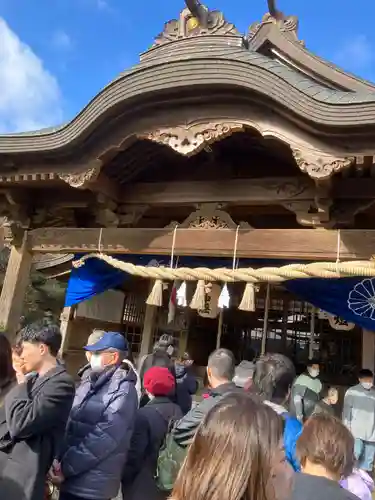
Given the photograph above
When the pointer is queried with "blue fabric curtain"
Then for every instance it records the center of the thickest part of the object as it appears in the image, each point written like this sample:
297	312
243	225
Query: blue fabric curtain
352	299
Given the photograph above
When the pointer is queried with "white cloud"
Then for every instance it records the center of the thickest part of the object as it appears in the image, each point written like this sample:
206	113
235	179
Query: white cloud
61	40
356	53
29	95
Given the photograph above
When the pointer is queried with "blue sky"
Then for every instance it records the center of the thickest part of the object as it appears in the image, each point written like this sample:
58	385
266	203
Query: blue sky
55	55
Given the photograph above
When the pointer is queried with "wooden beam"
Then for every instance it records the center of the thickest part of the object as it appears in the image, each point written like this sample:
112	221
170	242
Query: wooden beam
296	244
17	277
247	191
229	191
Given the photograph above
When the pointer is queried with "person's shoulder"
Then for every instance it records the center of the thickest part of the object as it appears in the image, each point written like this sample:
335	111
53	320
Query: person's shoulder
59	375
306	487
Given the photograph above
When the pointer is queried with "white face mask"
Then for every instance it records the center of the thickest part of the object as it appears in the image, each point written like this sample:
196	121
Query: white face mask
313	372
96	362
170	350
367	385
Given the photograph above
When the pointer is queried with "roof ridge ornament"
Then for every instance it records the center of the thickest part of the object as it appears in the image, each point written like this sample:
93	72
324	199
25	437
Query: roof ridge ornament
196	20
199	11
286	24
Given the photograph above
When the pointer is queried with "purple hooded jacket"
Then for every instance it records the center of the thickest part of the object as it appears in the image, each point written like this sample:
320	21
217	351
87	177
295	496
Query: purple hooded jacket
360	484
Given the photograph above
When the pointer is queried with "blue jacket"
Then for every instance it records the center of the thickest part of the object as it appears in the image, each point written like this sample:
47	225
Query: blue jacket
292	431
98	433
187	386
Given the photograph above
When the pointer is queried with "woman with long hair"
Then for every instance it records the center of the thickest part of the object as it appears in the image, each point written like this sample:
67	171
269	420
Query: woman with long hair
237	454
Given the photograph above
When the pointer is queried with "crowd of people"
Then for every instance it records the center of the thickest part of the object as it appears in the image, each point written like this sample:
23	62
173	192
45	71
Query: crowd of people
137	434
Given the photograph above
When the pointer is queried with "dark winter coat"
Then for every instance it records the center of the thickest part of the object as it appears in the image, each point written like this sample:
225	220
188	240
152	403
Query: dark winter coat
151	426
185	429
98	433
32	424
187	386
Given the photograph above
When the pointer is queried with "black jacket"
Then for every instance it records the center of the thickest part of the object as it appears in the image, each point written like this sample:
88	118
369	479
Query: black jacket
308	487
184	430
187	386
32	426
151	426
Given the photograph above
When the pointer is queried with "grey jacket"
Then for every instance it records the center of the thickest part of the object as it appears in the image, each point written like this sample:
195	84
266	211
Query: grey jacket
359	412
184	430
305	395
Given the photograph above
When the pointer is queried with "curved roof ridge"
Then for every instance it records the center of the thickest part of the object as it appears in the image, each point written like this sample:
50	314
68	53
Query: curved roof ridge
236	55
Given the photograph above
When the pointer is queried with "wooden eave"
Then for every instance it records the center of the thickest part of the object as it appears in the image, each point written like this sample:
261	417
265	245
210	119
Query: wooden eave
270	36
242	74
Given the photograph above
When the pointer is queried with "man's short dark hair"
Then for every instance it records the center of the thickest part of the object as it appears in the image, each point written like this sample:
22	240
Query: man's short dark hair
327	442
42	333
222	364
365	373
312	362
273	377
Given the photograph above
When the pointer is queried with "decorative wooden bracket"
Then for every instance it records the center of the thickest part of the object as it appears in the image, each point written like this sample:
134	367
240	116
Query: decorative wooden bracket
209	216
131	214
190	139
105	212
321	166
82	179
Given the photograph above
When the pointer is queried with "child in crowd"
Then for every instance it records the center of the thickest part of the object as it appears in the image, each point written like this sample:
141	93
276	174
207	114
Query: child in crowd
327	404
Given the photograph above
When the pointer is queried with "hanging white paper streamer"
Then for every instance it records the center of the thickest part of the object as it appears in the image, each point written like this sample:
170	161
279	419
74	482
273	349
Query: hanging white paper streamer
181	295
224	298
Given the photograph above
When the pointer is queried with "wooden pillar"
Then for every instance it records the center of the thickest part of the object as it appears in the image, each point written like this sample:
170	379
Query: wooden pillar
368	349
65	328
184	338
17	278
148	330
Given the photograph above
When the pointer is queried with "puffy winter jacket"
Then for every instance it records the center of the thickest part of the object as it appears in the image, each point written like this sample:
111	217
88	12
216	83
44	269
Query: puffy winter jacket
98	433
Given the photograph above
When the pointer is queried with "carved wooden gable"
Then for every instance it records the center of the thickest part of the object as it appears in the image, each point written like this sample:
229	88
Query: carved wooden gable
188	26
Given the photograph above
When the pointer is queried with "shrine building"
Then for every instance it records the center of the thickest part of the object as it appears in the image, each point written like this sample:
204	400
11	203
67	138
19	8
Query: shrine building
235	170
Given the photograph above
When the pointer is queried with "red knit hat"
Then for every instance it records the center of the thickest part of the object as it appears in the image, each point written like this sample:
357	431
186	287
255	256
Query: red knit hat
159	381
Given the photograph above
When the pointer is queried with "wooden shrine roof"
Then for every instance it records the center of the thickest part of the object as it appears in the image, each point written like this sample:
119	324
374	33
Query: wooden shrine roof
269	64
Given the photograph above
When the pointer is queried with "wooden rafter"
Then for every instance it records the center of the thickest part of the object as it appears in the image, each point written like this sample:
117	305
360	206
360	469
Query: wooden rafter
296	244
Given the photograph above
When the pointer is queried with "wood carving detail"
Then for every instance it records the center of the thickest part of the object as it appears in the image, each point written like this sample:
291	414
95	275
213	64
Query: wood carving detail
13	232
188	26
191	139
286	24
209	216
320	167
81	179
307	214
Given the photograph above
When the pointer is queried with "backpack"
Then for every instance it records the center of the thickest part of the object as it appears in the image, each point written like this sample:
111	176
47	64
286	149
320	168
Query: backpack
171	457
